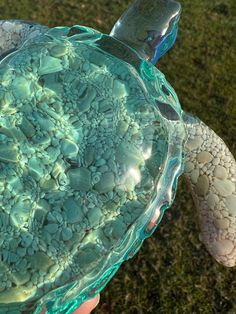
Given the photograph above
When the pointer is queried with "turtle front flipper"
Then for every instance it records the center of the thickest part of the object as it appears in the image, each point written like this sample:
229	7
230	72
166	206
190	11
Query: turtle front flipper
210	170
149	26
13	33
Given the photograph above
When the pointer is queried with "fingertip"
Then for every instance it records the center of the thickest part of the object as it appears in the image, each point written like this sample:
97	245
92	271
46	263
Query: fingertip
88	305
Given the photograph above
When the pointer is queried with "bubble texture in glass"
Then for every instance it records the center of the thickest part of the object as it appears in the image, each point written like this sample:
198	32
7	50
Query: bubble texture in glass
90	151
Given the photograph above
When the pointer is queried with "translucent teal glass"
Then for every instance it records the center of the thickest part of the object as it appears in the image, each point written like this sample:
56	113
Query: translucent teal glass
91	140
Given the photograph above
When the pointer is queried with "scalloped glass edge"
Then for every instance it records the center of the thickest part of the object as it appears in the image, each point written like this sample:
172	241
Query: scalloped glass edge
69	297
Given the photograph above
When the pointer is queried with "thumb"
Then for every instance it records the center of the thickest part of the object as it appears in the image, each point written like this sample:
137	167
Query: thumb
88	305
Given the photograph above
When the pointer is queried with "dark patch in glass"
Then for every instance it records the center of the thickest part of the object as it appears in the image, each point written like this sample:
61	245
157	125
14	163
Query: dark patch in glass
167	111
72	163
41	81
165	90
119	50
6	53
75	31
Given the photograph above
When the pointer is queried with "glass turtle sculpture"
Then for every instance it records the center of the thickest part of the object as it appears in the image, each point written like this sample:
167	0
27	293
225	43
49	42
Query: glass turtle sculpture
92	142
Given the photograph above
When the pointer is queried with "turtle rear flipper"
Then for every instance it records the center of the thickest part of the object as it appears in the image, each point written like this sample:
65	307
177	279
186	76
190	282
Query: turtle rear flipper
210	170
13	33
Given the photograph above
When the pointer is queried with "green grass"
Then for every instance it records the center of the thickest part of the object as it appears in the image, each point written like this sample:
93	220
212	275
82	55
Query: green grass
172	273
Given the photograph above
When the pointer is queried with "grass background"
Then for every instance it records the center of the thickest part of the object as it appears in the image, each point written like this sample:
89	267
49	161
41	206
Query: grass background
172	272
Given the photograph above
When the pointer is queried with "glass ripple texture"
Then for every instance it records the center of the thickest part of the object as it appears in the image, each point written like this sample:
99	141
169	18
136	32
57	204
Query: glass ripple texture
91	140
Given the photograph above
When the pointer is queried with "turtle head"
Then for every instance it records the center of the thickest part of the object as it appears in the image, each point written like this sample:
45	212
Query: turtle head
149	26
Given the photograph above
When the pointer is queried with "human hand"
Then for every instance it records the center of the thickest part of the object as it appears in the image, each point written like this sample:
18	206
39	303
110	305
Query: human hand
86	307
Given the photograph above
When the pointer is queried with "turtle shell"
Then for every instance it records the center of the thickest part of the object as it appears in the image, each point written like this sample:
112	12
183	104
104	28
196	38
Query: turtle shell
90	153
